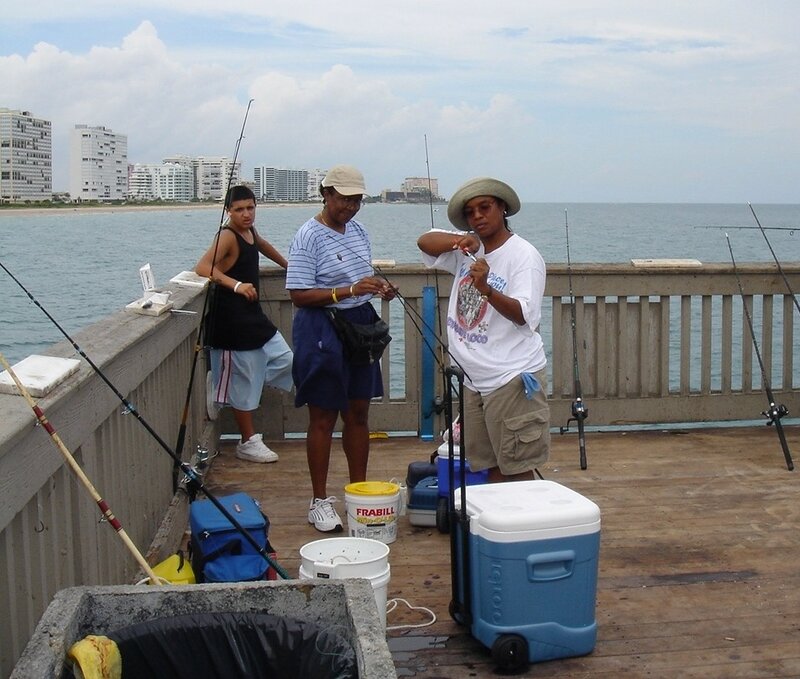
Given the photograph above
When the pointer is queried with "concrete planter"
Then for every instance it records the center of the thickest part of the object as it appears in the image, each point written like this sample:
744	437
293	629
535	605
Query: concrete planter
74	613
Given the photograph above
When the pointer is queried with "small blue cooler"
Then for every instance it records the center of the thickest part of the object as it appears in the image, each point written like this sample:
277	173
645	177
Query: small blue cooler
533	550
443	455
422	500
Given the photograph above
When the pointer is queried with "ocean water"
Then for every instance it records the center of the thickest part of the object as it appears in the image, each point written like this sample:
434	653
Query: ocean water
84	265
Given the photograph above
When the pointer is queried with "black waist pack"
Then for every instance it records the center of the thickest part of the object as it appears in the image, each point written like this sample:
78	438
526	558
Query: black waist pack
363	343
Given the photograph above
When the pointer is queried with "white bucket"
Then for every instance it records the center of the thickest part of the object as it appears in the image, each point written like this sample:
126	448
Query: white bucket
349	558
373	508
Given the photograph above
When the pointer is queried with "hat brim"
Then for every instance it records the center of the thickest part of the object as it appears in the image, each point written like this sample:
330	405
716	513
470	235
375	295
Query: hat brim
349	190
480	186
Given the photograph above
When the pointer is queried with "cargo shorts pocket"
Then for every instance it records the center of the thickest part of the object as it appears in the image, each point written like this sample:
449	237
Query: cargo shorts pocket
526	437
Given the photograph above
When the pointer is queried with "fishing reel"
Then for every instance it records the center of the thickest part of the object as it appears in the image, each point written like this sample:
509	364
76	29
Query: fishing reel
775	413
579	413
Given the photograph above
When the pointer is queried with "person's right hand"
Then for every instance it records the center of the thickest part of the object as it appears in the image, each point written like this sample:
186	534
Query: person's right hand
467	242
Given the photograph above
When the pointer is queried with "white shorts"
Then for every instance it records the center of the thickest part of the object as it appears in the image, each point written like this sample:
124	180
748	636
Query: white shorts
239	377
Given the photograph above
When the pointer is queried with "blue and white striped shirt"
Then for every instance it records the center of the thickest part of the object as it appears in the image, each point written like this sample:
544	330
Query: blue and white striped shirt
320	257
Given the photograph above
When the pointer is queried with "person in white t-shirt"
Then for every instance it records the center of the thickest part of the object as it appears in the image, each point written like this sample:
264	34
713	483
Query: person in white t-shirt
492	329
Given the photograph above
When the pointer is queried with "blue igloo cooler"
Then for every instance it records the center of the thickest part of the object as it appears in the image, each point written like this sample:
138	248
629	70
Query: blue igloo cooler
442	460
533	550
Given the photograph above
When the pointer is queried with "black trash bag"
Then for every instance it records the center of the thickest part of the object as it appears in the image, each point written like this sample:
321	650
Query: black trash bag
233	646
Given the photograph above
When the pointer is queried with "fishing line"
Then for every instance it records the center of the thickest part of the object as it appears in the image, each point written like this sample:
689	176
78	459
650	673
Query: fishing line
410	311
579	410
775	257
193	478
775	411
207	305
105	510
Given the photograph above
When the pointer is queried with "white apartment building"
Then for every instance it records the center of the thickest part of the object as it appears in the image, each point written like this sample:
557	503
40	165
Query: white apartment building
315	178
98	164
421	185
161	181
26	157
280	184
211	175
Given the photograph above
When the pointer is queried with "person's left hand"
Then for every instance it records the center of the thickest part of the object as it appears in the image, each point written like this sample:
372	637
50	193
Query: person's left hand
388	292
479	271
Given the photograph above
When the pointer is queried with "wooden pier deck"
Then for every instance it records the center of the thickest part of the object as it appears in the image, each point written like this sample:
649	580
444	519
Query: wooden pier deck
698	566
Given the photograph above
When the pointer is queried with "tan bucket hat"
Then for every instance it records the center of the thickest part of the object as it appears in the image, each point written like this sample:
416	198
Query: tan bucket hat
479	186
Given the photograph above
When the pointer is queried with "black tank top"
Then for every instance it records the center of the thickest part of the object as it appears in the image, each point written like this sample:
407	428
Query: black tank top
234	322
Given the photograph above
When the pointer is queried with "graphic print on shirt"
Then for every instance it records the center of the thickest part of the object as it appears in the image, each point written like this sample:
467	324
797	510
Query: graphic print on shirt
471	306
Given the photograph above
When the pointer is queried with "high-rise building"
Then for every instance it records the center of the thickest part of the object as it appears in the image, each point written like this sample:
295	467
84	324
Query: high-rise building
278	183
164	181
212	175
421	185
98	164
26	157
315	178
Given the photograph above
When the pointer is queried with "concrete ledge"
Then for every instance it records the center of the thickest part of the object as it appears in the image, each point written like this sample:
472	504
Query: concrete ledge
347	604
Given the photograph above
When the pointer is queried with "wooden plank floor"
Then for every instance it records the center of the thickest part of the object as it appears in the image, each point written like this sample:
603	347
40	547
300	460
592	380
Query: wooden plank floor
699	552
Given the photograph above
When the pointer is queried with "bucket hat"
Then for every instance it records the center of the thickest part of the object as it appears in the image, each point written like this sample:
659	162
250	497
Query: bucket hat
480	186
346	179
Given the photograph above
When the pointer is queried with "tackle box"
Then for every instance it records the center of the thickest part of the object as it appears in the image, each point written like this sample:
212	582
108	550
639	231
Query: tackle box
422	501
422	488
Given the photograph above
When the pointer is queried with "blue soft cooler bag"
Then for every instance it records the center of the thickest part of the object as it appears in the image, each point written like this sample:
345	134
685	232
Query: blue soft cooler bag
220	553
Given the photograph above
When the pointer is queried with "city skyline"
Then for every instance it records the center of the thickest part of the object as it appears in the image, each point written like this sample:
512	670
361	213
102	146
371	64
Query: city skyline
567	101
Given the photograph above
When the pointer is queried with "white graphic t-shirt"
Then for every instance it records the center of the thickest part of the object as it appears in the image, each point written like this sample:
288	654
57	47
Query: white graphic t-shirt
490	348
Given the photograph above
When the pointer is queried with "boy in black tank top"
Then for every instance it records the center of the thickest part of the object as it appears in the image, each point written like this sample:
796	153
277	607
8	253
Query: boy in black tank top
247	351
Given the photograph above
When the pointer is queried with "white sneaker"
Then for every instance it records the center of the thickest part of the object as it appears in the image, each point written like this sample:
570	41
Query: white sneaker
324	517
254	450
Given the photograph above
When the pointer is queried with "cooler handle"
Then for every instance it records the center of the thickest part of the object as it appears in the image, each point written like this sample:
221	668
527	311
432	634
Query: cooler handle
549	566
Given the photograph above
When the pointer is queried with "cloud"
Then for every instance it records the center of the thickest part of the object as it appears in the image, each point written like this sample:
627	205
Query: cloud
578	101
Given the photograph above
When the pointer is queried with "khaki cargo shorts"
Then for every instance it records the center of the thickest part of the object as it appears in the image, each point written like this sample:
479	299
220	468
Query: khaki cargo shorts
507	430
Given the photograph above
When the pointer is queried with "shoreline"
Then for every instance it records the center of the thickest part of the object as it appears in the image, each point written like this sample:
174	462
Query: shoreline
132	208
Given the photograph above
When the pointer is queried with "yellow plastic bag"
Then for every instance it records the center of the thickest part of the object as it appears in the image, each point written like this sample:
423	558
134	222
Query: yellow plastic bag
96	657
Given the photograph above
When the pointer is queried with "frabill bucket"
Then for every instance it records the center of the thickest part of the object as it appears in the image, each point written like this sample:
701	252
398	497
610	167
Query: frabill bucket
349	558
373	508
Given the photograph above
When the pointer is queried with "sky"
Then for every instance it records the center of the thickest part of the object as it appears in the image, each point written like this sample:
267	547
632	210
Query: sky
612	101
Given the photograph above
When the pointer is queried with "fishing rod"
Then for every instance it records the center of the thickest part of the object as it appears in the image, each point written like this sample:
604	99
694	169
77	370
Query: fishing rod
790	229
193	478
775	411
105	510
206	304
430	184
579	410
775	257
438	402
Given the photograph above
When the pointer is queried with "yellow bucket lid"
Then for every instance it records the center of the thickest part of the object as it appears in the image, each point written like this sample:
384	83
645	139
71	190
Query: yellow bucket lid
372	488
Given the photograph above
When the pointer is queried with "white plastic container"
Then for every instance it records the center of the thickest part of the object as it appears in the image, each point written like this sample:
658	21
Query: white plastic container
349	558
373	508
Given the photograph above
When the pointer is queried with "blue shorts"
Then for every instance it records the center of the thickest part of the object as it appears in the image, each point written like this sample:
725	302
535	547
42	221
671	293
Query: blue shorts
323	376
239	377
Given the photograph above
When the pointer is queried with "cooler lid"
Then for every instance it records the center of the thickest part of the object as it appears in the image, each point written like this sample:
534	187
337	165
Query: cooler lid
529	510
444	450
